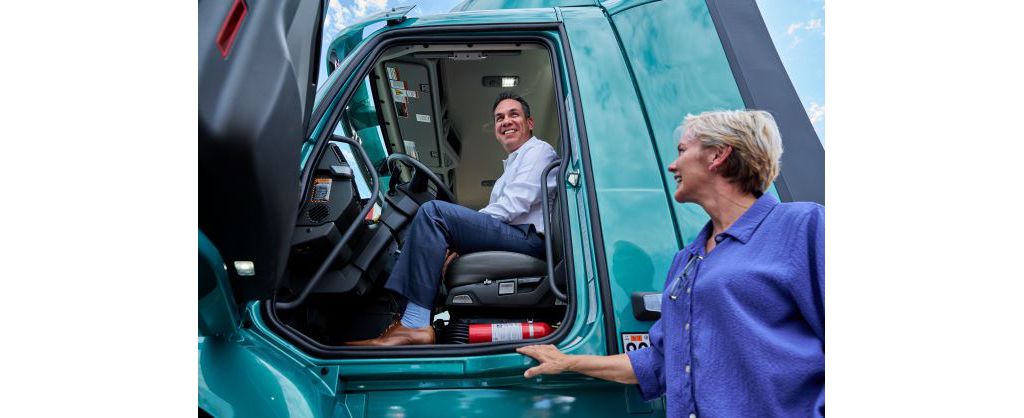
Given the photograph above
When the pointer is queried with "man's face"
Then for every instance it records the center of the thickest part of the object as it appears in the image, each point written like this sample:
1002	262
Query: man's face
690	169
511	126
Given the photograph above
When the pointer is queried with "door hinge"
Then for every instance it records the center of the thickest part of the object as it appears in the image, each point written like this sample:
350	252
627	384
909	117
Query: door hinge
573	179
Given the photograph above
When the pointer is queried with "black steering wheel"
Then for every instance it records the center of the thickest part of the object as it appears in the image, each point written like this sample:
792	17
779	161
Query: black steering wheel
420	176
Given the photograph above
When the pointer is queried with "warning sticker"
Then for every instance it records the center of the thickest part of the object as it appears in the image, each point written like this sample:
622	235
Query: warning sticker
422	118
398	95
397	84
636	341
410	148
506	332
392	73
321	190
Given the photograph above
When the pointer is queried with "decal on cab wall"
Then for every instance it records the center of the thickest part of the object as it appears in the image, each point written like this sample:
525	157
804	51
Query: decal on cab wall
635	341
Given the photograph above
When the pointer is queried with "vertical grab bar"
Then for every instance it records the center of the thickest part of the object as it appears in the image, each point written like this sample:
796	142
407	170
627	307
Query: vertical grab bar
547	227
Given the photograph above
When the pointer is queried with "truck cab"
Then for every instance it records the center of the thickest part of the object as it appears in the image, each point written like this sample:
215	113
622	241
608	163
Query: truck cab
306	191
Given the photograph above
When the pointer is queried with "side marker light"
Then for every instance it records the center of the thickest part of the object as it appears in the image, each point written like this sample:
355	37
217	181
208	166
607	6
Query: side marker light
229	29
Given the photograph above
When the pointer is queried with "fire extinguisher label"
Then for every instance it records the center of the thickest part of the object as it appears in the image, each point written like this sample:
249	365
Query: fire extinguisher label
506	332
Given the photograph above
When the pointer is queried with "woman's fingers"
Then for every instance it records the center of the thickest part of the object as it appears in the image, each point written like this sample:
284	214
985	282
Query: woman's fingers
546	355
533	371
539	352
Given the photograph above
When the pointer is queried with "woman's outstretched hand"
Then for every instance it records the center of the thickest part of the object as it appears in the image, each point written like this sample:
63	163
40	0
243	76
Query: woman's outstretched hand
551	360
616	368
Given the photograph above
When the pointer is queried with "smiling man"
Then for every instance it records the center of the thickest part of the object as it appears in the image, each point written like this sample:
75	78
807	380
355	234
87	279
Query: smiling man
511	221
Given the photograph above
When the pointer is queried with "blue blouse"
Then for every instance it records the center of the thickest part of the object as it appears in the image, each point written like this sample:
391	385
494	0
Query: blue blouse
742	328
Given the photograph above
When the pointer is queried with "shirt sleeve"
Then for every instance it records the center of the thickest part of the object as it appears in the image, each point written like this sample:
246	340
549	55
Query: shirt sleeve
649	365
808	288
522	190
813	304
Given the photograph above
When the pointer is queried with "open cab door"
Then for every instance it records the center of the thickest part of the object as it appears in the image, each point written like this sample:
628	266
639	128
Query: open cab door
257	81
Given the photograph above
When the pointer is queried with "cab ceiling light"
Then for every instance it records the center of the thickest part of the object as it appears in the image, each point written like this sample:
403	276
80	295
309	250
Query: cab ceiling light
245	268
504	81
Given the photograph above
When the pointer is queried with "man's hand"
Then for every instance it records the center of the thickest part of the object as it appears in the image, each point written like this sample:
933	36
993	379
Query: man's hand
551	360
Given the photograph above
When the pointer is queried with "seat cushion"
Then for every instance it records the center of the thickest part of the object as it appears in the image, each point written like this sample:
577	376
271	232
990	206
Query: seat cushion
495	265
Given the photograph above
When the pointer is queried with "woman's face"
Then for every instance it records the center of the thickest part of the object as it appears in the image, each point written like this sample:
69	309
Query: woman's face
690	169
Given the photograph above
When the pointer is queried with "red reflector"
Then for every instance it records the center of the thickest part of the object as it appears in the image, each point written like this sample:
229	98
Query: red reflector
229	30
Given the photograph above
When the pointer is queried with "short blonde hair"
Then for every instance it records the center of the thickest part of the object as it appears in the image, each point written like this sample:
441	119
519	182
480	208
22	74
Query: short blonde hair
754	137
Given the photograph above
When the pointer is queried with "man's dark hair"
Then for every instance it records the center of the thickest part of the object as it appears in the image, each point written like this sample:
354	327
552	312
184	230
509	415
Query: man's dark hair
510	95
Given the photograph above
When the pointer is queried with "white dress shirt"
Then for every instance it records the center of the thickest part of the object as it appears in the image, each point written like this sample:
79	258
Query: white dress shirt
516	196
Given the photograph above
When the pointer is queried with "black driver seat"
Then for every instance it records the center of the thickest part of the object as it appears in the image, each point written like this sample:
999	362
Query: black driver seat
503	279
494	265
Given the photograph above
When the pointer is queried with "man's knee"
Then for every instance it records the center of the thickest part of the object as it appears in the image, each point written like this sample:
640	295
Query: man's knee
427	209
433	208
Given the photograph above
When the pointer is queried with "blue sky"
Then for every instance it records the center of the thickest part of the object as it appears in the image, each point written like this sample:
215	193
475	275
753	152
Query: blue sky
797	28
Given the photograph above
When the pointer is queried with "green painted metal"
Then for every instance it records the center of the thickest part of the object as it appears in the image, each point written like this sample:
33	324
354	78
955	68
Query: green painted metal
242	376
578	400
581	237
346	41
636	220
481	17
615	6
217	308
680	68
518	4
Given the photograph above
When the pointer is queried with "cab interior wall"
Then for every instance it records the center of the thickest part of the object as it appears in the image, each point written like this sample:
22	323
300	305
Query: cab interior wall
331	318
472	103
466	104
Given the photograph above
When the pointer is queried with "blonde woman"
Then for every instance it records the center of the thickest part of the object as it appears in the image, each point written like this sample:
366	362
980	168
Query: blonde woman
742	331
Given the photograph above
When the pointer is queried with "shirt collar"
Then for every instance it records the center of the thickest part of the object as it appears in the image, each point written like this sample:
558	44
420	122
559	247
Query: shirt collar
748	222
512	155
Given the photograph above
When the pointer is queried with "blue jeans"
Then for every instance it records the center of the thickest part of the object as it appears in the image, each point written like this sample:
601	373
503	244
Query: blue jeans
439	226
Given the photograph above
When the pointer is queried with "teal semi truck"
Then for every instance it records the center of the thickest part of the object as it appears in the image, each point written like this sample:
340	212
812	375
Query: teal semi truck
306	190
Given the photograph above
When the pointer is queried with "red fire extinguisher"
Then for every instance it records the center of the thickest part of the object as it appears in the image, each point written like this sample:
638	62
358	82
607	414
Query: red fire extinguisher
485	333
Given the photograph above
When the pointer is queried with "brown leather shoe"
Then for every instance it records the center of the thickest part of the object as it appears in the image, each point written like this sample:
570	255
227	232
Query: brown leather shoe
397	334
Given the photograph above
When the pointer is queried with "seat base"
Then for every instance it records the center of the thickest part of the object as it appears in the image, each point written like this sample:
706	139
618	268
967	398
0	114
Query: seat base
517	292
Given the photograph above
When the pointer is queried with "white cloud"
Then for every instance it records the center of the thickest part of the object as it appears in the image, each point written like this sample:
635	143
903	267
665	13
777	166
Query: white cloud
796	41
795	30
793	27
343	16
813	25
816	112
